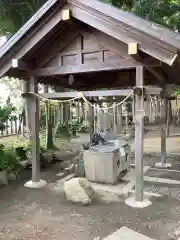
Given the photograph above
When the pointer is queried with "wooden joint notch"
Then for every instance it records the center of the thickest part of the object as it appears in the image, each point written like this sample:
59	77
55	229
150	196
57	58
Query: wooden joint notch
66	14
133	48
139	91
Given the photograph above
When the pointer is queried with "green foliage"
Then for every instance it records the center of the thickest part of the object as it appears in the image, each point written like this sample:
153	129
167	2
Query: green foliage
163	12
177	92
22	153
8	159
77	126
62	131
13	14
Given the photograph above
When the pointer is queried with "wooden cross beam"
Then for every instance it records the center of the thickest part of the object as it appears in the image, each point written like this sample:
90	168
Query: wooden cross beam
83	68
101	93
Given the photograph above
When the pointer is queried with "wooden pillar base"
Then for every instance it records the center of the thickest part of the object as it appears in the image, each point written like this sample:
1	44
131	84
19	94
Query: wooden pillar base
40	184
138	204
163	165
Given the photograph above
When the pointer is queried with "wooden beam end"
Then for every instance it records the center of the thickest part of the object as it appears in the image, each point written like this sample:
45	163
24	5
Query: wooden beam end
15	63
133	48
66	14
173	59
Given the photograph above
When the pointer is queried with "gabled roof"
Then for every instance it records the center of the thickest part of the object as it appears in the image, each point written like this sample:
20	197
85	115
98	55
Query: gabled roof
124	26
153	29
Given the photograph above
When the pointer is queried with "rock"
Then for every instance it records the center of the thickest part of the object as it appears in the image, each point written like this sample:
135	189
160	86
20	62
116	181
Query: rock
79	190
4	178
175	234
12	176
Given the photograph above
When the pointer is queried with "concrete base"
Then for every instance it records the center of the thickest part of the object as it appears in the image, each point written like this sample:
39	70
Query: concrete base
163	165
135	204
31	184
126	233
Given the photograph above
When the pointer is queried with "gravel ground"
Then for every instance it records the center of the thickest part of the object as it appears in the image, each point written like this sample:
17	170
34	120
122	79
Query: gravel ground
41	214
29	214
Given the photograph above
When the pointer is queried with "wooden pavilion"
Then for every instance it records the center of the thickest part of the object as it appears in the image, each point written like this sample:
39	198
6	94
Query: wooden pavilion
96	46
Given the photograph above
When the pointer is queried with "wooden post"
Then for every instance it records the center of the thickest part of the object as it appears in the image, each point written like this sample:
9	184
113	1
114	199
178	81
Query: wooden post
164	106
139	201
27	109
35	128
139	134
120	118
46	90
91	121
163	131
168	118
133	108
35	132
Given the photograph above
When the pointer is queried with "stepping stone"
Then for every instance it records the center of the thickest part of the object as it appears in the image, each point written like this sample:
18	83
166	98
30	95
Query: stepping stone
125	233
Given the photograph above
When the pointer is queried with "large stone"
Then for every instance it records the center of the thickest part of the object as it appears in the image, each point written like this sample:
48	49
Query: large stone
175	234
79	190
4	178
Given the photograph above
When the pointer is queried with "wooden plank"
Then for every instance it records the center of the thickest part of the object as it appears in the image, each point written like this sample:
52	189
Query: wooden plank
121	34
161	180
106	41
57	46
83	68
152	90
104	93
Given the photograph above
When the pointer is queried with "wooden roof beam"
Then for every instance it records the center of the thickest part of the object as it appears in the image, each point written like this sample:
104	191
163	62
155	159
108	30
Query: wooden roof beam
101	93
91	67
